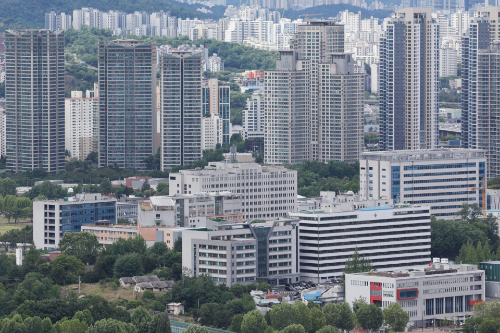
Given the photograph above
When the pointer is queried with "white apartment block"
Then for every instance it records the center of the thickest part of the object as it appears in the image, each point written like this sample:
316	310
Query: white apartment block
79	123
215	64
428	294
3	124
443	179
448	60
243	253
253	118
351	21
267	192
211	131
460	22
391	237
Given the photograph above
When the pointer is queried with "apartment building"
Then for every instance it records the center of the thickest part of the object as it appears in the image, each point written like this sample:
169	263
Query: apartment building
443	178
243	253
267	192
181	108
53	218
216	101
34	105
127	103
79	123
409	81
287	131
430	295
211	131
109	233
330	235
253	118
340	124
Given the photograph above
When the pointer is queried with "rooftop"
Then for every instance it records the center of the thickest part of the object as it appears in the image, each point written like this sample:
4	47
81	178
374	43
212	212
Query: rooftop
424	154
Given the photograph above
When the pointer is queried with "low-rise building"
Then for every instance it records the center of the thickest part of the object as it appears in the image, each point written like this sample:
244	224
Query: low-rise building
157	213
168	235
391	237
108	233
53	218
429	294
243	253
127	211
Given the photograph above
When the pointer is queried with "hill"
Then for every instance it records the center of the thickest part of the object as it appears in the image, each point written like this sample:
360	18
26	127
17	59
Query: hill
327	11
24	14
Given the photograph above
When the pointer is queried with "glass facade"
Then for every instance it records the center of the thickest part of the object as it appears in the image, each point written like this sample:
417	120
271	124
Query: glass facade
73	216
262	235
395	184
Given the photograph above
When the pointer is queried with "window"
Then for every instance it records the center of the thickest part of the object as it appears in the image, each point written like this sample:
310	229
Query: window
408	293
448	305
429	307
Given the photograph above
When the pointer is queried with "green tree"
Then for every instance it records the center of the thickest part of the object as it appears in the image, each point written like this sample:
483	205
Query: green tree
318	319
238	289
7	187
162	323
66	268
395	317
128	265
15	325
331	312
83	245
178	244
357	264
141	319
302	315
252	322
489	326
105	186
196	329
33	324
328	329
84	316
236	322
46	326
162	188
370	317
346	320
145	186
73	326
295	328
111	326
282	315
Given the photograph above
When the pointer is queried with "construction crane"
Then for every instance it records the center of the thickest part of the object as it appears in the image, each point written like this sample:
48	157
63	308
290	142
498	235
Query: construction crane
484	194
307	15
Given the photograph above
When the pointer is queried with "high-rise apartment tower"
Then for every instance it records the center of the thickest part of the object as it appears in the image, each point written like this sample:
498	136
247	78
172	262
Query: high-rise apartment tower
34	92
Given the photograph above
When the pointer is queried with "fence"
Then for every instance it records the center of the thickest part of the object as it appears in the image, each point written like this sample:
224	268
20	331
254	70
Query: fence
179	326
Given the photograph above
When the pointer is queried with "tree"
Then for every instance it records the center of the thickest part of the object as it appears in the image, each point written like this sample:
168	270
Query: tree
236	322
178	244
346	320
141	319
318	319
196	329
395	317
7	187
302	315
33	324
357	264
282	315
73	326
295	328
331	312
489	326
111	326
162	323
253	322
105	186
83	245
238	289
162	188
145	186
46	326
370	317
128	265
328	329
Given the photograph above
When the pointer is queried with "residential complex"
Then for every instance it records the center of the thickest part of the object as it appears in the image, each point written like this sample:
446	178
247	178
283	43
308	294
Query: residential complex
127	103
109	233
52	218
430	295
409	81
216	101
443	179
267	192
253	118
34	93
80	113
243	253
181	108
390	237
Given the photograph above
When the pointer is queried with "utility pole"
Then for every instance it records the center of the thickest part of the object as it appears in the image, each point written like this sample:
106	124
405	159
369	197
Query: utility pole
79	282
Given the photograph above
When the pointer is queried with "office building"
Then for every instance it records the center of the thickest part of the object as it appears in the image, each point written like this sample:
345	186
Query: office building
109	233
216	101
479	75
181	108
330	235
314	40
79	123
127	103
287	131
340	123
253	120
267	192
53	218
430	295
409	81
443	178
34	93
243	253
